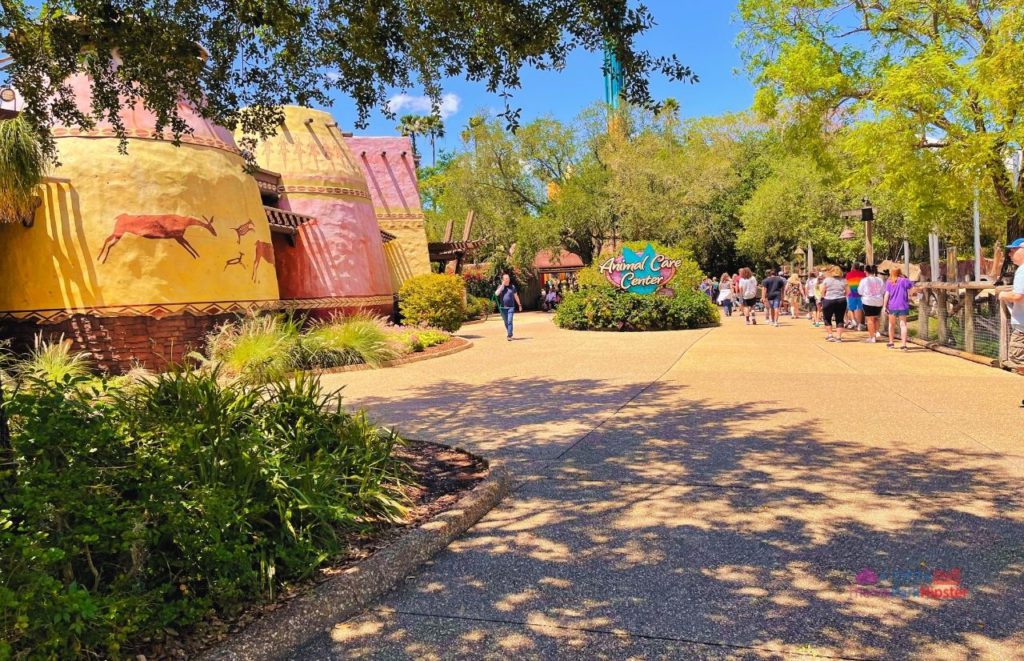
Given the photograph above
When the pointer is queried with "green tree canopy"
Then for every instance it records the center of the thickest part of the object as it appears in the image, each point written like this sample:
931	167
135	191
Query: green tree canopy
932	91
263	54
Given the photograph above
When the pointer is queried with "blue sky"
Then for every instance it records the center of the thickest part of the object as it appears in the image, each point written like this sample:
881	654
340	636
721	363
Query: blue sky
700	32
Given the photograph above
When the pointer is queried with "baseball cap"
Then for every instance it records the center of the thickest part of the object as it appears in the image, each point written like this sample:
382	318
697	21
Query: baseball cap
1016	243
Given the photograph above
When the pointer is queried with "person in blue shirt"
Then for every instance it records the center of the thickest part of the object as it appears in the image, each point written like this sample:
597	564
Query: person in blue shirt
1015	300
508	302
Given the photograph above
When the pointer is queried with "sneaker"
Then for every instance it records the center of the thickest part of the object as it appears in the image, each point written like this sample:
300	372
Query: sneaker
890	345
904	348
509	338
753	322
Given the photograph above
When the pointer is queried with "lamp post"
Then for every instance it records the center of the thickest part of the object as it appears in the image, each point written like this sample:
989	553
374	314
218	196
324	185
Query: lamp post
867	214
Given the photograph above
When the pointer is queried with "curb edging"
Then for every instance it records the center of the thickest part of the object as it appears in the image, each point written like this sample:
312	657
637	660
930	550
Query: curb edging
282	631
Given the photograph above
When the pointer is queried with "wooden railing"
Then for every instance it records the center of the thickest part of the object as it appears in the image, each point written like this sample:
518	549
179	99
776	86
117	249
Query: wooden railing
964	318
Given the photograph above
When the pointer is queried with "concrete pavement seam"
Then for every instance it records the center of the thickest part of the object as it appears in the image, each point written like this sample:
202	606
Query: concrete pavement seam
907	399
634	397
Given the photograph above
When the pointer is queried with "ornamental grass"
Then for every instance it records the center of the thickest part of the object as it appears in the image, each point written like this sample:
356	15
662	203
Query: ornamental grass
22	168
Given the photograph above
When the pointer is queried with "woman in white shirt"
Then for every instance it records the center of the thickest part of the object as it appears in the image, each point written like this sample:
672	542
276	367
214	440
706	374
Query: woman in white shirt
872	294
748	295
725	298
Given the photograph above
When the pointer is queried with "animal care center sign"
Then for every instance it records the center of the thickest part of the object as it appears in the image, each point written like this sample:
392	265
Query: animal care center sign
645	272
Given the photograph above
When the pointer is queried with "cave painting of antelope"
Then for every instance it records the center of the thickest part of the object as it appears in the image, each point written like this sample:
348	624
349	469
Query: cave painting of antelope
264	253
163	226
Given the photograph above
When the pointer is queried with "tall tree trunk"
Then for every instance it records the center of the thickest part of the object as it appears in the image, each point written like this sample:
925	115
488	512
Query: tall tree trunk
433	152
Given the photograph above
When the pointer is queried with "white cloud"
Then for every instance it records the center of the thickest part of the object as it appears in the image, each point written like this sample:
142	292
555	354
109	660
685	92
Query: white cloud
405	103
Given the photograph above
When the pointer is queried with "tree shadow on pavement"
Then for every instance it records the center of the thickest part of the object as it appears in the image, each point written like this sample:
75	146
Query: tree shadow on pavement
742	529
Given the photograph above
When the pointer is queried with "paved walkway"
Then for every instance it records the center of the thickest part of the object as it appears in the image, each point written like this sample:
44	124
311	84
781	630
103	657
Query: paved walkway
709	494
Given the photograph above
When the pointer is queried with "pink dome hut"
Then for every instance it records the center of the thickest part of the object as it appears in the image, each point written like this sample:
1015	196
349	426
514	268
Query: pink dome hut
332	260
390	169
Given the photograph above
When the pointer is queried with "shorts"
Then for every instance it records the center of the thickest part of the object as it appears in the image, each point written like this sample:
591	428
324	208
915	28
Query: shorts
854	303
749	302
775	303
834	308
812	302
899	313
1015	356
872	310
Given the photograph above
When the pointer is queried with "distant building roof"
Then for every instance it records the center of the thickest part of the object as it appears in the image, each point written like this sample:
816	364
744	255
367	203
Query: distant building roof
546	261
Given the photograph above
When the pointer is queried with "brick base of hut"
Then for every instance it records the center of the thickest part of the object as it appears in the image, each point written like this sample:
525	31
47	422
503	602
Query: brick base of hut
117	344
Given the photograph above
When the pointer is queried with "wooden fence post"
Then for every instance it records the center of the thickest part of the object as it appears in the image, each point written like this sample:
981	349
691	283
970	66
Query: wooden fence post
943	315
1004	333
969	295
922	315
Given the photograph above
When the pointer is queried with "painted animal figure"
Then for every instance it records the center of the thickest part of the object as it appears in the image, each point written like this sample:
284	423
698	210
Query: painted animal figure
164	226
234	261
264	253
244	229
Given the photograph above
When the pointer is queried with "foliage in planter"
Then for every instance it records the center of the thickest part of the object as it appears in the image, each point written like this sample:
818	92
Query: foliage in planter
348	341
126	512
433	299
22	167
419	339
254	349
612	310
477	308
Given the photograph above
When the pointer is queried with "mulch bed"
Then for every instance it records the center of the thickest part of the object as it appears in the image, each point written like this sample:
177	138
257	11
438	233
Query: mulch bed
443	476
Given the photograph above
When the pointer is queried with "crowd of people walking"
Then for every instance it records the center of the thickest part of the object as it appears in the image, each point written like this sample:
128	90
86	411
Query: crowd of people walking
830	298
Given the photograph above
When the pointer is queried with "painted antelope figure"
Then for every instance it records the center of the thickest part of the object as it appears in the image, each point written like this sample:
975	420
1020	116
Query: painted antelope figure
164	226
234	261
265	253
244	229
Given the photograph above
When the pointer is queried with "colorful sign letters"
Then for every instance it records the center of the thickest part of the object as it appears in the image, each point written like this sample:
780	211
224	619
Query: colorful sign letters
640	273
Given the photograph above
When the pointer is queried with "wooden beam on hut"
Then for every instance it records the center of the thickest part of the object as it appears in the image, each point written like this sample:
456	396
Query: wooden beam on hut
449	228
468	227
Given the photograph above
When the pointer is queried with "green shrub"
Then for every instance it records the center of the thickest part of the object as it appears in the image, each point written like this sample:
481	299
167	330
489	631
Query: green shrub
254	349
478	308
433	300
609	309
125	513
348	341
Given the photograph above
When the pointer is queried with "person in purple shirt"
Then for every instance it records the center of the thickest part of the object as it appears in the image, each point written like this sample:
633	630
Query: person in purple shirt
898	291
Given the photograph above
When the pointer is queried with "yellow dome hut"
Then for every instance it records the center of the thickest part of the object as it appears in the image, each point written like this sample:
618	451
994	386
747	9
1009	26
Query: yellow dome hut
135	257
